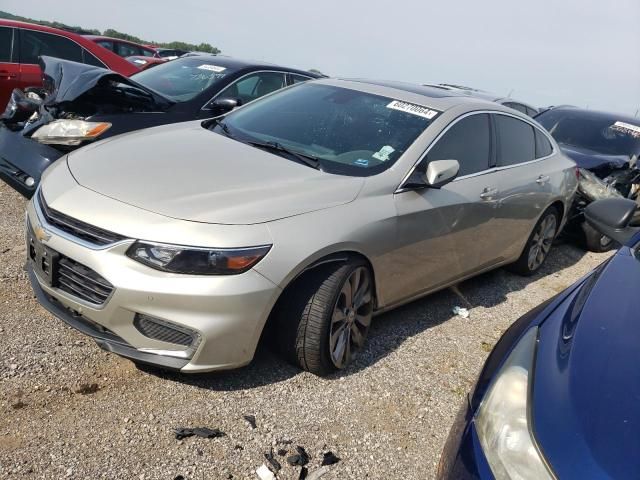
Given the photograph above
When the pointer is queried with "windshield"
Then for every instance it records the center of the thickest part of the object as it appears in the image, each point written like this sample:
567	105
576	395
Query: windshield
601	133
184	78
348	131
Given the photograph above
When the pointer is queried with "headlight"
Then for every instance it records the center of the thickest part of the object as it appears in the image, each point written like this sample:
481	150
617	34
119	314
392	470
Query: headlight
70	132
503	418
197	261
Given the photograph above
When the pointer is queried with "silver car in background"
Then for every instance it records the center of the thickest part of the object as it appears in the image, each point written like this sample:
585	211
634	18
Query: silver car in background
304	213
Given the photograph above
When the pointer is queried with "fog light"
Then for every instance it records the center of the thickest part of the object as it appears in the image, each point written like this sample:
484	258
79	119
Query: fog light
29	182
163	331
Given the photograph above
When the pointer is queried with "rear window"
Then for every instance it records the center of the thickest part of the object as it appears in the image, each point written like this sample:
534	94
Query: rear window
516	142
184	78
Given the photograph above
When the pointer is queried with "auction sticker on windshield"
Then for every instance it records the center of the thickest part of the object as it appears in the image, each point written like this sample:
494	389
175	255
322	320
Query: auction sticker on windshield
633	130
413	109
212	68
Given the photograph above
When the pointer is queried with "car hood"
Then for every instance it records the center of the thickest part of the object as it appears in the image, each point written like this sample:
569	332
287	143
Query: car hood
187	172
586	403
590	160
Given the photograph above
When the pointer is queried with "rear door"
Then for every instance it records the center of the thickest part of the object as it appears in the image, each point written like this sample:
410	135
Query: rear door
34	44
449	233
9	67
524	176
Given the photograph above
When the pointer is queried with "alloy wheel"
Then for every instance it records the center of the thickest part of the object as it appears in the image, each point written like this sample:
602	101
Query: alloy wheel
351	317
541	242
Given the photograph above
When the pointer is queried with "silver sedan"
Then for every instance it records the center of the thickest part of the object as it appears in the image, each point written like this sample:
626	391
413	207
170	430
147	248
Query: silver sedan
304	213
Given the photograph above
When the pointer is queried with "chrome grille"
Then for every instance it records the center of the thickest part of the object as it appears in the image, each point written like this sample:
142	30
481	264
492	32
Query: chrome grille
84	231
82	282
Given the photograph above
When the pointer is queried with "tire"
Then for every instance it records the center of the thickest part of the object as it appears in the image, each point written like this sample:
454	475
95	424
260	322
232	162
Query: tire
594	241
540	241
318	316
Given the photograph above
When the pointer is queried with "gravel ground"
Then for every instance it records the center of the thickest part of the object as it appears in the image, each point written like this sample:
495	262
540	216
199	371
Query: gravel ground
70	410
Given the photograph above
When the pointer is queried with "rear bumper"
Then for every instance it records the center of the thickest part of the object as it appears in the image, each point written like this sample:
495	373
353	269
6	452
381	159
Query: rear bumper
21	158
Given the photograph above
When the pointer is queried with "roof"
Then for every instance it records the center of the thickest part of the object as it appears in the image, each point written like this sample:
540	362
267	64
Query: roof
240	64
439	99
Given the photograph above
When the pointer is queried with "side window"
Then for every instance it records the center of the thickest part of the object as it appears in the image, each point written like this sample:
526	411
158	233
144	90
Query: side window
90	59
543	146
148	53
34	44
108	44
6	43
254	86
126	50
295	78
468	141
516	143
532	112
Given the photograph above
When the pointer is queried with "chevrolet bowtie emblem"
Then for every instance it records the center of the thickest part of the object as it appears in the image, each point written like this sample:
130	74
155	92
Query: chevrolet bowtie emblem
41	234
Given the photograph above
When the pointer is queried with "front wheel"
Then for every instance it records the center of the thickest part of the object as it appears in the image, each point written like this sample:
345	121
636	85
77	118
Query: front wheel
538	245
326	317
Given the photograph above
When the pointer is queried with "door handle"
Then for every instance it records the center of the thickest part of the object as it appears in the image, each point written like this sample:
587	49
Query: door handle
488	193
542	179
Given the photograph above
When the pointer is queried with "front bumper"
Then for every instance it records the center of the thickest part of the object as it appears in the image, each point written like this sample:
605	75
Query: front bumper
462	457
227	312
21	158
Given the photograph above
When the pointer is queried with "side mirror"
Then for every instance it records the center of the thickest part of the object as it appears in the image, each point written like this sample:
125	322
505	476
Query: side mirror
224	104
611	217
441	172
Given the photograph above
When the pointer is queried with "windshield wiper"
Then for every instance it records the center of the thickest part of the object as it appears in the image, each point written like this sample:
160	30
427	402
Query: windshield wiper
309	160
223	126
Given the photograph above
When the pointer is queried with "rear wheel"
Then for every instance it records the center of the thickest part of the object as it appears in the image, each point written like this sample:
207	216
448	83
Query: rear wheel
538	245
325	319
594	241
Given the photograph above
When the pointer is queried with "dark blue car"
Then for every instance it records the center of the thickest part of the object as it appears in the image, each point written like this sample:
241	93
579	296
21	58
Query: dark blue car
559	396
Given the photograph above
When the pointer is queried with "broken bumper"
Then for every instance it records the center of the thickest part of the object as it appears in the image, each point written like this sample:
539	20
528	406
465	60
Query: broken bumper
22	159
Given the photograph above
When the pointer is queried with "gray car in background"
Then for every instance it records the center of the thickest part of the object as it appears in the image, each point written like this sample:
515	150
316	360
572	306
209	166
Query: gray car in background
304	213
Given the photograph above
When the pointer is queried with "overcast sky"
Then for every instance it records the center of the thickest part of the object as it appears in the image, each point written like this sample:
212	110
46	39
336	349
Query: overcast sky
582	52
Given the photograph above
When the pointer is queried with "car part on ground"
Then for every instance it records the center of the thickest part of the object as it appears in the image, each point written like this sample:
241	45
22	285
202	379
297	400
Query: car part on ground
184	89
520	422
605	146
378	194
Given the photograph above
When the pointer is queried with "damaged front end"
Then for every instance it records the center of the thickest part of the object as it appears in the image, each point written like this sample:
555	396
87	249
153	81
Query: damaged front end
76	105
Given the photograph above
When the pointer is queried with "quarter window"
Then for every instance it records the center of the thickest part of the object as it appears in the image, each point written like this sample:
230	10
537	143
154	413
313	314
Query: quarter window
295	78
543	146
6	42
467	141
516	143
35	44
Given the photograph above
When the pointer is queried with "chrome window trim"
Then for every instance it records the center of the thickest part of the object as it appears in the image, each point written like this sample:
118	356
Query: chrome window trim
68	236
400	189
240	78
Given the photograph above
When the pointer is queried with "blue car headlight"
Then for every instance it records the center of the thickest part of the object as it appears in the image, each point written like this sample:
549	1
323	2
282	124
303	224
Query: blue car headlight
503	419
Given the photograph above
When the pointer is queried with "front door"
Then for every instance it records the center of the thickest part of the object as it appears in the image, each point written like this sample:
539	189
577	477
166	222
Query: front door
446	234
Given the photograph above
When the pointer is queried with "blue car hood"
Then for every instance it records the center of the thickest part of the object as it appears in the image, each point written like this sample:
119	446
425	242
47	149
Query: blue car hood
590	160
586	391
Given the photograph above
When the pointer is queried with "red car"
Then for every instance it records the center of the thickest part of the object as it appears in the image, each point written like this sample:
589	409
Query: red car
22	43
123	48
